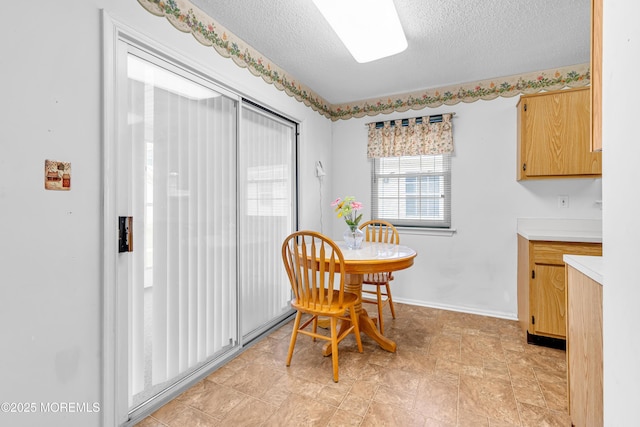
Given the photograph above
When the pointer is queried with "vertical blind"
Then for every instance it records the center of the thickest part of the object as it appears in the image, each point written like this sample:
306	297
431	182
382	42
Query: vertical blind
183	196
266	200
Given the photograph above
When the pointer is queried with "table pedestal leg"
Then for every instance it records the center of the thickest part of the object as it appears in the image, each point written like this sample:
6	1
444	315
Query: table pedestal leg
353	284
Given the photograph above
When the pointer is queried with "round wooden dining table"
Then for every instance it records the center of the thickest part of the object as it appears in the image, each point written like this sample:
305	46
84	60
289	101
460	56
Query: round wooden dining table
372	257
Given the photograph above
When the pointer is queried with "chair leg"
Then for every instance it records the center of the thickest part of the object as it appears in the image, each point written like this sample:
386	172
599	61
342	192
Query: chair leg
334	347
356	328
294	336
315	326
380	307
393	311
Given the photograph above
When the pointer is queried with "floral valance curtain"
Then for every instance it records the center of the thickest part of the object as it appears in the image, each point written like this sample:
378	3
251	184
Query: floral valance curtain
412	140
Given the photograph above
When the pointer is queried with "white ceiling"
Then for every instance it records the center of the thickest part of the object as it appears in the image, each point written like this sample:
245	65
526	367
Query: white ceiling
450	42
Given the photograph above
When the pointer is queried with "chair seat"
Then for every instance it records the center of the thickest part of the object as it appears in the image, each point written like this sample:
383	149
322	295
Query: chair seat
377	278
348	300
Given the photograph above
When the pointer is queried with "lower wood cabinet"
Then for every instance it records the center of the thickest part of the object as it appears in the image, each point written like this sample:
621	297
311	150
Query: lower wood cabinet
584	349
542	288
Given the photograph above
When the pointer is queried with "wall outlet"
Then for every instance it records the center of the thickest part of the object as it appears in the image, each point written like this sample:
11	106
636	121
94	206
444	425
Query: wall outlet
563	201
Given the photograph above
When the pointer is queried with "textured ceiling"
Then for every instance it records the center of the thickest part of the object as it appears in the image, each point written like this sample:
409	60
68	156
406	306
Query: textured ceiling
450	42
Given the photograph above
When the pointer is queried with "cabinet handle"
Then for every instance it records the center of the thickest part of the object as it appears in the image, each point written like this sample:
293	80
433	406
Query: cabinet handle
525	107
524	166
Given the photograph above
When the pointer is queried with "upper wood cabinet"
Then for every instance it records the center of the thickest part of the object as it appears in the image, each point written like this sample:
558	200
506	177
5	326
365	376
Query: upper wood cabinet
554	134
596	75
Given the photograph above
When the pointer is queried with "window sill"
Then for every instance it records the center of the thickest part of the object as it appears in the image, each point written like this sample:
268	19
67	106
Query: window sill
423	231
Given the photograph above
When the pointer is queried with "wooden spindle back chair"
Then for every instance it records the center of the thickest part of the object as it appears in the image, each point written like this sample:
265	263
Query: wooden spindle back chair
378	230
315	267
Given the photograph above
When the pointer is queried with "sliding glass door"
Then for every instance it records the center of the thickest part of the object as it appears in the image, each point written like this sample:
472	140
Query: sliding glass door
267	206
208	183
180	148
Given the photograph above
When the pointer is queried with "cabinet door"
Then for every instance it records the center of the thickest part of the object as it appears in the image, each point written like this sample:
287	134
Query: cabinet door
584	349
556	135
549	308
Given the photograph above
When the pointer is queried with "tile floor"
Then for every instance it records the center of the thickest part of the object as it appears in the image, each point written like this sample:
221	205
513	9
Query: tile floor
450	369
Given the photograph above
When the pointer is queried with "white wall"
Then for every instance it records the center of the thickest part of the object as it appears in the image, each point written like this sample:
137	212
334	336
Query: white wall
475	269
51	257
621	213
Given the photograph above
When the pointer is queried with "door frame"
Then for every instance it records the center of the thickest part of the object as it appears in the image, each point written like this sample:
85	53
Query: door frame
113	364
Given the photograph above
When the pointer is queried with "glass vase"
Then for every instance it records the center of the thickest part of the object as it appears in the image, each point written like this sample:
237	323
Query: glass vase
353	237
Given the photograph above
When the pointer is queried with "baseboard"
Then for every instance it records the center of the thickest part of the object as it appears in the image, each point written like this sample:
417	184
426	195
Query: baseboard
460	309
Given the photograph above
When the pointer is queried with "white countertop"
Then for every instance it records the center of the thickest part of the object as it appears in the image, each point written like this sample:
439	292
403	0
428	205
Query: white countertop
590	266
561	230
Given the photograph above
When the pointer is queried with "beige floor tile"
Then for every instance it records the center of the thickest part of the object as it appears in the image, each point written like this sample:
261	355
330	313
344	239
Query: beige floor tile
344	419
496	369
391	416
555	394
535	416
365	388
445	346
394	397
150	422
430	422
193	418
217	400
469	419
301	411
355	404
437	398
492	398
254	380
450	370
333	394
481	347
251	412
446	365
411	360
529	392
521	373
170	411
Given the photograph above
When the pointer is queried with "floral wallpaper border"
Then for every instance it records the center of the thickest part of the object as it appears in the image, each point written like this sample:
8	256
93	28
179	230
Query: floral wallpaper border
186	18
573	76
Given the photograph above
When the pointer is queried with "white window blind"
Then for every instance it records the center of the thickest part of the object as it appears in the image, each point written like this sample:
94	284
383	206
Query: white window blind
412	190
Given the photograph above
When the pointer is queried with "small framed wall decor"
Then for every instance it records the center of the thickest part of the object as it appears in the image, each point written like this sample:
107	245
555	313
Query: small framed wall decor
57	175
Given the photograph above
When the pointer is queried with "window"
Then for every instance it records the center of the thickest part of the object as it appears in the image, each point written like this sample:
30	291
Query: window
412	191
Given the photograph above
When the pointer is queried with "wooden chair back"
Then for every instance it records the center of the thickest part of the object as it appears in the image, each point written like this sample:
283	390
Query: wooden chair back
315	267
378	230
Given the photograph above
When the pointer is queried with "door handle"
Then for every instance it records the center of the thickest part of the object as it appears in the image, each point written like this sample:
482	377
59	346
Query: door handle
125	234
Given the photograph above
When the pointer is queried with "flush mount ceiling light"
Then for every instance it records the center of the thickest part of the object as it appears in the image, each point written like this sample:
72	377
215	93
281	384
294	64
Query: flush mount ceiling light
370	29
